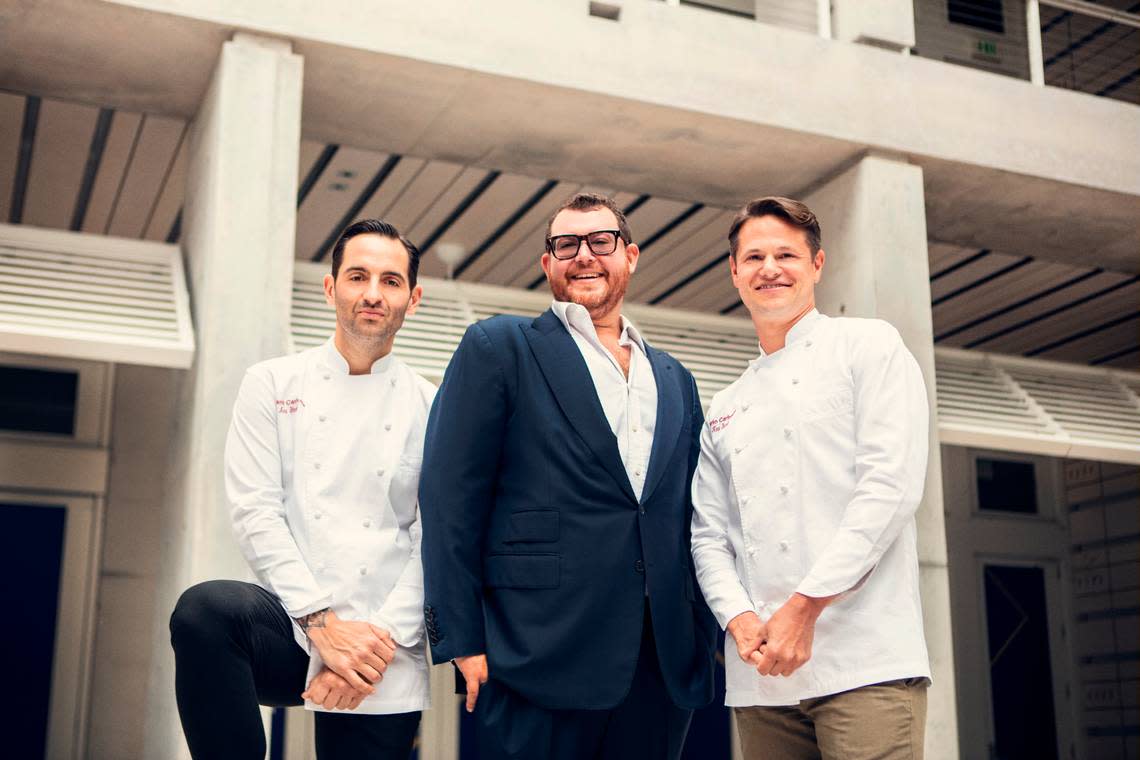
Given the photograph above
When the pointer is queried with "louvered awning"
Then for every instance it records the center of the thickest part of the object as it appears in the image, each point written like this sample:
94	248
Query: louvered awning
93	297
984	400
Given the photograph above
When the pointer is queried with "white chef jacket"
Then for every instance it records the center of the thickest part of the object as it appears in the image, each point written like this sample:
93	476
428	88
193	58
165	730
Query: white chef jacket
321	471
812	466
630	403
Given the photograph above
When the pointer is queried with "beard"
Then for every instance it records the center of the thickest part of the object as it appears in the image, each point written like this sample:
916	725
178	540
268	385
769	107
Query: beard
598	302
373	331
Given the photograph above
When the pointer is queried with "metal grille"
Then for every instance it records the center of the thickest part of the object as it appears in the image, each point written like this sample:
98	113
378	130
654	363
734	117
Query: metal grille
93	297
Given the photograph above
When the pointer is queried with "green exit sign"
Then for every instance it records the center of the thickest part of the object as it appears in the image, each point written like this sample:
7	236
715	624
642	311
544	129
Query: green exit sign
986	47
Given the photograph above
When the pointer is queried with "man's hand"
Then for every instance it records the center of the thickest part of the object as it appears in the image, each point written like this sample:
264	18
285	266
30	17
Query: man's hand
332	692
358	652
474	670
790	633
749	633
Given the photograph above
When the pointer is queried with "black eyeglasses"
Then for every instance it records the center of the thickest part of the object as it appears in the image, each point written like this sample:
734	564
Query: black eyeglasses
600	242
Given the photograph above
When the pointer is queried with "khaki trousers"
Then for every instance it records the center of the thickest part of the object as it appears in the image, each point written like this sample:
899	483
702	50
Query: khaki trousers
884	721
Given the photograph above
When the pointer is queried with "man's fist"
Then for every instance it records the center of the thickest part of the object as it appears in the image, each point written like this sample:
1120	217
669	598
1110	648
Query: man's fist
332	692
749	633
356	651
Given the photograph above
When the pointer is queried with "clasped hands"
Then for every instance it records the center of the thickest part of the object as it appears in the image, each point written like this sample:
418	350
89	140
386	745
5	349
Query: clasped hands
355	656
781	645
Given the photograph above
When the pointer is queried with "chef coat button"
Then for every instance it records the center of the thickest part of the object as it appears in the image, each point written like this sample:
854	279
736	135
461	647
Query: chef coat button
807	344
367	523
795	381
380	473
392	382
317	516
387	425
316	465
739	449
751	552
783	489
745	406
635	428
364	571
783	546
322	418
787	432
327	376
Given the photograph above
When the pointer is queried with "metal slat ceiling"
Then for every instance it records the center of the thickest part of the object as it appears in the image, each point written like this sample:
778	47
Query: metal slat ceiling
982	299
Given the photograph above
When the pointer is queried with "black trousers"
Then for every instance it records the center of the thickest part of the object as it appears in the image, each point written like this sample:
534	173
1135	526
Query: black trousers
646	725
234	650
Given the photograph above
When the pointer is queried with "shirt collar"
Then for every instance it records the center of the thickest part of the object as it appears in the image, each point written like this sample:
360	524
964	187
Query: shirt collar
332	359
576	318
799	331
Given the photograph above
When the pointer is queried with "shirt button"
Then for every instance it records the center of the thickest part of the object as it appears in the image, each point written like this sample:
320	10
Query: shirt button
807	344
367	523
364	571
380	473
635	428
327	376
739	449
387	425
795	381
637	473
316	465
751	552
783	489
392	382
745	406
783	546
322	418
317	516
787	432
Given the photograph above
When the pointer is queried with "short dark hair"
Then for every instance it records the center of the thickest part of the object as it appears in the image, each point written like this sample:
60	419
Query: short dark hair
589	202
376	227
793	212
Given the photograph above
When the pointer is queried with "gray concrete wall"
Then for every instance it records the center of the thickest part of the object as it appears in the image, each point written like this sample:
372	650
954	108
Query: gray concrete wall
143	418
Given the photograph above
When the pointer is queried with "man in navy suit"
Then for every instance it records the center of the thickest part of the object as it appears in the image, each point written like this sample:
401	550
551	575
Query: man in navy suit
555	503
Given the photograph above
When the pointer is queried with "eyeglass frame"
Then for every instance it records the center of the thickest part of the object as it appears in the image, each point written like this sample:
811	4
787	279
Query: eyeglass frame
584	239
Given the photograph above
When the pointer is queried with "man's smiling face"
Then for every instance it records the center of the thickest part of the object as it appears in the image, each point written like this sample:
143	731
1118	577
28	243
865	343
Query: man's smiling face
774	270
596	282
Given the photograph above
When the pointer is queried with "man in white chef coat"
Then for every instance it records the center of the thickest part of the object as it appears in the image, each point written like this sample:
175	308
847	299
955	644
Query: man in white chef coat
812	466
322	465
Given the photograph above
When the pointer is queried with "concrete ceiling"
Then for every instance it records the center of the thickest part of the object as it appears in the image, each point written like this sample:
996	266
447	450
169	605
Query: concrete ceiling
119	172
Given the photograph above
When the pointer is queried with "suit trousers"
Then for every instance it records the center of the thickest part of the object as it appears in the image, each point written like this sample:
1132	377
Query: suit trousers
234	650
883	721
646	725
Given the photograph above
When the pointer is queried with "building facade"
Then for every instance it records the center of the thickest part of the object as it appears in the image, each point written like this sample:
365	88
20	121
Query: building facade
173	173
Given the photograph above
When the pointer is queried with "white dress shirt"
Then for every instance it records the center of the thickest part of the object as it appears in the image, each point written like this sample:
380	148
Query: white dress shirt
812	466
322	469
630	403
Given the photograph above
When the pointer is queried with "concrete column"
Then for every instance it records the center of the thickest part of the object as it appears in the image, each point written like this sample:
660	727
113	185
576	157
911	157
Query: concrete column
237	237
884	23
873	219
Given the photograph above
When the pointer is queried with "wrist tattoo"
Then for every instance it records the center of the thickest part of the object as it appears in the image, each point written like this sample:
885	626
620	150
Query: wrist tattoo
312	620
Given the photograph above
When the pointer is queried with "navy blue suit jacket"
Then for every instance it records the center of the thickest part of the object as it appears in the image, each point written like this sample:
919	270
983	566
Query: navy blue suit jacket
535	549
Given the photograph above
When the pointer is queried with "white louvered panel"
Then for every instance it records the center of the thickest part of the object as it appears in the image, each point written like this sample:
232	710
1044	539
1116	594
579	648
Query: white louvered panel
979	405
1100	416
93	297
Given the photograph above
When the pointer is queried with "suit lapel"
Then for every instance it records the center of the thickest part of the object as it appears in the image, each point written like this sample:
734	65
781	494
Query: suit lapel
565	370
670	414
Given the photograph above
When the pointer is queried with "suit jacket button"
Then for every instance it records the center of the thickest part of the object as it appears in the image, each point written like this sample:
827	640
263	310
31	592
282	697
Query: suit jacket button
639	566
